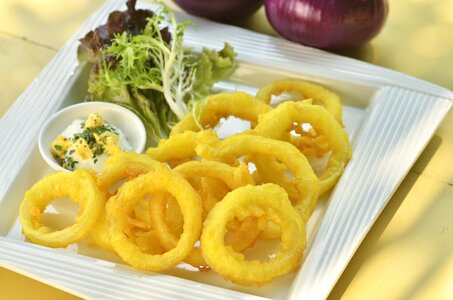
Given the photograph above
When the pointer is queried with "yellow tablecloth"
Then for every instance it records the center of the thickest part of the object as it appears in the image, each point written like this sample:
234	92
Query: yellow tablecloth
408	252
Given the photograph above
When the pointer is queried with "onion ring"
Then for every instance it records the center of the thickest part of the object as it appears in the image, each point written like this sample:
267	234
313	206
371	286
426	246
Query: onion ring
80	186
319	94
223	105
123	203
305	181
268	200
276	123
233	177
124	165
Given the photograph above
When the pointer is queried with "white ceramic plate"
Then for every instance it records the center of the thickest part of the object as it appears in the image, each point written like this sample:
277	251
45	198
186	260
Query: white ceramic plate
390	117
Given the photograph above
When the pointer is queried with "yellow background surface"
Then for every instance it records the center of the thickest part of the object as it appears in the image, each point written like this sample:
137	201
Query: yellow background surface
408	254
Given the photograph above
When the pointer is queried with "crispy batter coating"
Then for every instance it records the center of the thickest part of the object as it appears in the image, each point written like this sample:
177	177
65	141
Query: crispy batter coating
151	184
304	185
319	94
267	200
276	124
80	186
218	106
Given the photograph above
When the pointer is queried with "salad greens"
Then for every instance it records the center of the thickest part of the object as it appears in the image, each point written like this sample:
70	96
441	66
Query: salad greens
142	64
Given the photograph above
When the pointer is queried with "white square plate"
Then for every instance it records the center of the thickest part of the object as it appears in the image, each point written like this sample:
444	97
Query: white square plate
390	117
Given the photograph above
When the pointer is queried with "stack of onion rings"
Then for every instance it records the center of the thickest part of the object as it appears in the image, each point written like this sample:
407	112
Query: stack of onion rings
305	181
153	220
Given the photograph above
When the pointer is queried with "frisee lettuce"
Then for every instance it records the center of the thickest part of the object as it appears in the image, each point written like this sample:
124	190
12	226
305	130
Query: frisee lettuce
155	76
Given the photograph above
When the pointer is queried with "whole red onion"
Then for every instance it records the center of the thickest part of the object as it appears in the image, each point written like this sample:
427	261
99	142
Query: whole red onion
220	10
327	24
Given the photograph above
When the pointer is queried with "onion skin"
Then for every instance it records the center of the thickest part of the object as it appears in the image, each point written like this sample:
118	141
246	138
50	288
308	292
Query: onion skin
327	24
220	10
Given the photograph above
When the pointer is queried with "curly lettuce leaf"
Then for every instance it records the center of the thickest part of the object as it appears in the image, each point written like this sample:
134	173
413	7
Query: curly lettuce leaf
212	67
159	79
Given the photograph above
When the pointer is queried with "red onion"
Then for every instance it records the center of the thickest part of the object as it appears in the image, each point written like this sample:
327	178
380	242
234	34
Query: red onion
220	10
328	24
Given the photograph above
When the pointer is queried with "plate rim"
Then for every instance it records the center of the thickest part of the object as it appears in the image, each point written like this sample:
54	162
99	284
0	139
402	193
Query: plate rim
327	65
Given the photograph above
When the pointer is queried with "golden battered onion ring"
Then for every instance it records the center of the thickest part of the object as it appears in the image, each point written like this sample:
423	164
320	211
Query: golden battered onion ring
305	181
122	204
276	123
223	105
80	186
180	148
319	94
233	177
125	165
268	200
147	240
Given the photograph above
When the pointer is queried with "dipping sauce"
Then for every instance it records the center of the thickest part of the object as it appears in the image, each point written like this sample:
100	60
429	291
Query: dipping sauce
86	144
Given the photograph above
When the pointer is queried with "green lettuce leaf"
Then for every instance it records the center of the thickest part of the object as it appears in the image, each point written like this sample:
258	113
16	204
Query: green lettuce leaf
156	77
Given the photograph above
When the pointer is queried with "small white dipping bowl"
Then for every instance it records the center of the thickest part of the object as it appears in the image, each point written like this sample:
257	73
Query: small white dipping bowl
124	119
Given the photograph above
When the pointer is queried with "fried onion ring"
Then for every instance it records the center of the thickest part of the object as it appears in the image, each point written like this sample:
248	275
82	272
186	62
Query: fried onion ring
122	166
122	204
268	200
276	123
305	181
80	186
223	105
317	93
233	177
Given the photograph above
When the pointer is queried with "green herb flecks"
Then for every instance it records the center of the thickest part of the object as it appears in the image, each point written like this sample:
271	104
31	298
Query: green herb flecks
68	163
88	134
99	150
